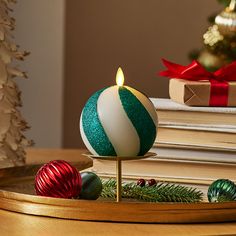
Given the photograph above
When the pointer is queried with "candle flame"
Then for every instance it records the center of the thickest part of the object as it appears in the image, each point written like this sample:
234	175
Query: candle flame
120	77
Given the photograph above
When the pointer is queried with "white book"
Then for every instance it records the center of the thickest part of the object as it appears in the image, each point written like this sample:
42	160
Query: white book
168	104
216	128
194	155
172	114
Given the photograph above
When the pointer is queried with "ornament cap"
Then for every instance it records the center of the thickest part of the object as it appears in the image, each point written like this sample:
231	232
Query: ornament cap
232	6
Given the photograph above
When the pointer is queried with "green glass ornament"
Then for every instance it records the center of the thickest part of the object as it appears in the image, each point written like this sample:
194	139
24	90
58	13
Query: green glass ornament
222	190
91	186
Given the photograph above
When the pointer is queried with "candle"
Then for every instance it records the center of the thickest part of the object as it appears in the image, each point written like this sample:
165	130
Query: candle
118	121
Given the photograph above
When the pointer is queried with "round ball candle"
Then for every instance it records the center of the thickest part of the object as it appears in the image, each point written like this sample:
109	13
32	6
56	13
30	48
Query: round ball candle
118	121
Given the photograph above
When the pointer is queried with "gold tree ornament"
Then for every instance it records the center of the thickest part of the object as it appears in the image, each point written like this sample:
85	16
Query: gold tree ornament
211	60
212	36
226	20
12	125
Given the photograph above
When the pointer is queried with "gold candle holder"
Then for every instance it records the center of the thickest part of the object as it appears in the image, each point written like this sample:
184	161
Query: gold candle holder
119	160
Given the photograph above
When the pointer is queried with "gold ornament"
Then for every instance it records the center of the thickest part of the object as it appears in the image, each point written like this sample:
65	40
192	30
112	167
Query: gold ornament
226	20
211	61
212	36
12	141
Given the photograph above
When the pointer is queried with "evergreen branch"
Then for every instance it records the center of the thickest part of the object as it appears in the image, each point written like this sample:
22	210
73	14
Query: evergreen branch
162	192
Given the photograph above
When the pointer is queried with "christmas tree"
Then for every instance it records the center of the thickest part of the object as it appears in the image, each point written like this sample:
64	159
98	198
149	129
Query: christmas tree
12	141
220	39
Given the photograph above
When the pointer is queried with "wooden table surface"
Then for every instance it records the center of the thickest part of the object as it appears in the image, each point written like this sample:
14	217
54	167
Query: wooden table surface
20	224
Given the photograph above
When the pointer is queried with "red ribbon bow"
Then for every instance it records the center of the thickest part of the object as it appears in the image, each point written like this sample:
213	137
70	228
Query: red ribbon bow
195	72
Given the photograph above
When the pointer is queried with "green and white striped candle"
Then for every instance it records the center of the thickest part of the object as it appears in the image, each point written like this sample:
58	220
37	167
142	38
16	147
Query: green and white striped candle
118	121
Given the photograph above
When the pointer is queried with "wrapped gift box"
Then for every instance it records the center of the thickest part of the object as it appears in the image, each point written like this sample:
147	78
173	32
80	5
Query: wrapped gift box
194	86
197	93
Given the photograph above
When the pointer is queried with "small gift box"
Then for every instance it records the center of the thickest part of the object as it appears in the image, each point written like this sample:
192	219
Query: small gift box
194	86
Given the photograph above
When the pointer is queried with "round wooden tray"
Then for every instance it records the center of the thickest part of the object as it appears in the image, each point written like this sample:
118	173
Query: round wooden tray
17	194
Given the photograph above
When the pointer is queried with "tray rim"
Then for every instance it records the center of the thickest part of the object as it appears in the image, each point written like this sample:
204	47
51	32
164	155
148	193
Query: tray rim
117	211
74	202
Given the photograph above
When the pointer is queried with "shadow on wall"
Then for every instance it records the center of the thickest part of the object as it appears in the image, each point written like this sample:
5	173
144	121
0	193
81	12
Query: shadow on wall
134	34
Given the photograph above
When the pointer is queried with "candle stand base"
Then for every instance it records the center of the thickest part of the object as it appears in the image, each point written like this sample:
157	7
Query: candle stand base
119	160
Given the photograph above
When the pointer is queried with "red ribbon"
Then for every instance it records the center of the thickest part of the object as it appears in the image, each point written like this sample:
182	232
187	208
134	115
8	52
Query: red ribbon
195	72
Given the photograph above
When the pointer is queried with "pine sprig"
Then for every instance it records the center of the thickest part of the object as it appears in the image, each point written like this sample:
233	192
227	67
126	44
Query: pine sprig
162	192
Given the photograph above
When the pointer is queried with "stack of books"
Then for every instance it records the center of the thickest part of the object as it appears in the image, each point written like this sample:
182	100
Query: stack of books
200	127
194	145
201	139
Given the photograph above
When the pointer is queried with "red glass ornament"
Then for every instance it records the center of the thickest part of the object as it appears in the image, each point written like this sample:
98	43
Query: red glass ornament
152	182
141	182
58	179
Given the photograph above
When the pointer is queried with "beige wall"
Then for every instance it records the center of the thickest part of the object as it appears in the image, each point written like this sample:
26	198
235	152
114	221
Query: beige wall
40	29
101	35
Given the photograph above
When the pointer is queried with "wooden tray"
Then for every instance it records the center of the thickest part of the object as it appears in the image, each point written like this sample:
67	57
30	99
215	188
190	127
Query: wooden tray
17	194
